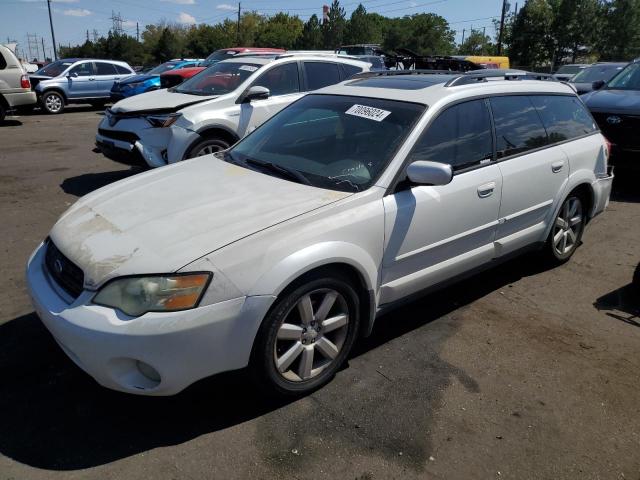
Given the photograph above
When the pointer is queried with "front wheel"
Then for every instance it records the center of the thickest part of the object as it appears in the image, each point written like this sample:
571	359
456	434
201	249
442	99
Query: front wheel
207	146
567	230
306	336
53	102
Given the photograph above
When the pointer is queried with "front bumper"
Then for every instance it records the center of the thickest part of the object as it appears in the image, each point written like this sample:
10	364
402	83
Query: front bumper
181	347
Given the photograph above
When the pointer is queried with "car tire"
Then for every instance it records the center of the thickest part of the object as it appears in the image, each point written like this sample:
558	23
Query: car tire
53	102
207	146
3	112
98	104
566	231
296	353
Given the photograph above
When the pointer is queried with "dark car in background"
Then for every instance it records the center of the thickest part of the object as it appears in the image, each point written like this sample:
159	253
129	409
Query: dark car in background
141	83
616	108
598	72
566	72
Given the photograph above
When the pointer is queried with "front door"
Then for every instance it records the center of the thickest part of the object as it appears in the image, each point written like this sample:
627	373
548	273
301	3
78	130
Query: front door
81	81
433	233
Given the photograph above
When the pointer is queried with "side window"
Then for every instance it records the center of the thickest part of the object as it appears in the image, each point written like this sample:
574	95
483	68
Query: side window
460	136
83	70
518	125
348	70
564	117
105	68
280	80
321	74
122	70
3	62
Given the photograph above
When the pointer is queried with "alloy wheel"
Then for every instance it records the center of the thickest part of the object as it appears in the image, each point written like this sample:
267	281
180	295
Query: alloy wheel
209	149
53	103
566	230
311	335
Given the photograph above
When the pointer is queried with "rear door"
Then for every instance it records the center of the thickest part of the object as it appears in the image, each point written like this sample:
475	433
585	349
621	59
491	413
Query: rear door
433	233
533	170
106	74
81	81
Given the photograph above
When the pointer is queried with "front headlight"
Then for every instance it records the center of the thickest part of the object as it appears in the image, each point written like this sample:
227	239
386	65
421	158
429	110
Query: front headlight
163	121
138	295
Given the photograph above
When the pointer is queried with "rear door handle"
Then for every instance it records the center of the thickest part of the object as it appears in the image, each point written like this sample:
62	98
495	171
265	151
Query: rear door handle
557	167
486	190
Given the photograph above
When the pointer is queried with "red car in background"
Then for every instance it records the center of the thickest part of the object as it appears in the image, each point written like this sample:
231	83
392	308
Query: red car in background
176	77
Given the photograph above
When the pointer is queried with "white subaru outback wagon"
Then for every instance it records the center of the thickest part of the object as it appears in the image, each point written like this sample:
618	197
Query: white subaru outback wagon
279	252
212	110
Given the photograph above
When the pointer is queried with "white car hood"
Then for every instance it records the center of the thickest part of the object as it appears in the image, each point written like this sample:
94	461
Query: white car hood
160	221
157	100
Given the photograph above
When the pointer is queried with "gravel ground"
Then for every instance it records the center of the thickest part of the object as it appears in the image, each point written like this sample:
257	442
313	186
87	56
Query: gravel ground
518	373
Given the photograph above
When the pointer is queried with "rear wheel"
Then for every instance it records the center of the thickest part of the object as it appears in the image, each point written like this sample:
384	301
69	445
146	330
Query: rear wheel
53	102
207	146
567	230
306	336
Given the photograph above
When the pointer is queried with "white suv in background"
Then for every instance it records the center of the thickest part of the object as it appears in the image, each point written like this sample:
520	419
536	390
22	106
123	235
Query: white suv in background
215	108
280	251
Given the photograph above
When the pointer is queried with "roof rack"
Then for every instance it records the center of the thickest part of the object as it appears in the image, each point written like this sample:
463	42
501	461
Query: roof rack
482	77
393	73
311	53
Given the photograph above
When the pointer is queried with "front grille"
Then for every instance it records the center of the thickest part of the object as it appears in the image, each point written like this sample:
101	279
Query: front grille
119	135
624	133
65	273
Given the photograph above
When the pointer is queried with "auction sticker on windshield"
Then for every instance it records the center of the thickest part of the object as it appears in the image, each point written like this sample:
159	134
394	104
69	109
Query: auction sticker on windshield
371	113
248	68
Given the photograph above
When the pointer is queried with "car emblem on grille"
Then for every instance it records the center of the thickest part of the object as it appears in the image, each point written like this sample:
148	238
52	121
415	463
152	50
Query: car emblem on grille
58	265
614	120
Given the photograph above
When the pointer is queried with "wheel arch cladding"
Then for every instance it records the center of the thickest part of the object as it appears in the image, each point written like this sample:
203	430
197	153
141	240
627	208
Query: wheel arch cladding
216	132
56	90
585	192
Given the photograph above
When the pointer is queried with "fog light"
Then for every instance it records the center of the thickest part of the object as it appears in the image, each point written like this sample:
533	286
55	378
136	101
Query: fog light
148	371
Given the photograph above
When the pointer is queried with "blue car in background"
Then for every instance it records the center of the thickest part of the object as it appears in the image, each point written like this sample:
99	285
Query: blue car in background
136	84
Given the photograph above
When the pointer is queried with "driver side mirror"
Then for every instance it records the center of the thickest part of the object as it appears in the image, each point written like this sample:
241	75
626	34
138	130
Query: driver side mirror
72	75
256	93
598	84
423	172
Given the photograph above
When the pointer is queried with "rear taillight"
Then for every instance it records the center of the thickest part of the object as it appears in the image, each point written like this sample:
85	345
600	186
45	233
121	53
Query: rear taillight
608	146
24	82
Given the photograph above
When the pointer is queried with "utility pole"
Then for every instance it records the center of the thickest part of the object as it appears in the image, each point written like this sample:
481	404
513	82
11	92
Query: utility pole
44	54
504	7
137	31
53	36
238	27
87	34
484	35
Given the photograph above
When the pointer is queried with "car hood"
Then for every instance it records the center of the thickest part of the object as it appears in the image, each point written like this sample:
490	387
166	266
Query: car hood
137	78
158	100
162	220
613	101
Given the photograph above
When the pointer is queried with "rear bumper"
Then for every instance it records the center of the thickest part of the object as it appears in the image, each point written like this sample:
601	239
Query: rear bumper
17	99
602	191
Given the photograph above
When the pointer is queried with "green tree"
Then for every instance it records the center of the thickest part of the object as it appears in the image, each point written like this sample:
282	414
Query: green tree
204	39
424	33
531	43
311	38
619	36
477	43
280	31
333	29
359	27
166	48
574	27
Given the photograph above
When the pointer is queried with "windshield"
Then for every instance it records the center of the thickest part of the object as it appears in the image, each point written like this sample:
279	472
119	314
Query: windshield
627	79
218	56
353	50
596	72
54	69
569	69
162	68
218	79
335	142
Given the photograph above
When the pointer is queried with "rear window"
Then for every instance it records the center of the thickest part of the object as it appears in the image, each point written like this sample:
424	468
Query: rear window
518	125
564	117
349	70
321	74
122	70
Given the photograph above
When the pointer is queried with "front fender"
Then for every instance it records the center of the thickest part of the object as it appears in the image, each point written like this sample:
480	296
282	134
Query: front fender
289	268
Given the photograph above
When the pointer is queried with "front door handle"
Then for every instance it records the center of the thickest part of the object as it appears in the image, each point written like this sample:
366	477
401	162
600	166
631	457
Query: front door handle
91	78
557	167
486	190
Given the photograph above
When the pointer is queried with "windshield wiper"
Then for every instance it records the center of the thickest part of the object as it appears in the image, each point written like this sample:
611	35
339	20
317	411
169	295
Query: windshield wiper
283	171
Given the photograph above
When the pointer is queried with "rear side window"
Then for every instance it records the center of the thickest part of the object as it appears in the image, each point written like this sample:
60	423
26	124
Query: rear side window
349	70
280	80
564	117
122	70
105	68
3	62
518	125
321	74
460	136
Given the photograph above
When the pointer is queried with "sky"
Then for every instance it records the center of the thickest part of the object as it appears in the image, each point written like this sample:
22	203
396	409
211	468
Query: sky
72	18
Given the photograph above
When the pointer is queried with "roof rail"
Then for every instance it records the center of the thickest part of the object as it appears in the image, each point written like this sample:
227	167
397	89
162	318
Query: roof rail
311	53
482	77
392	73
